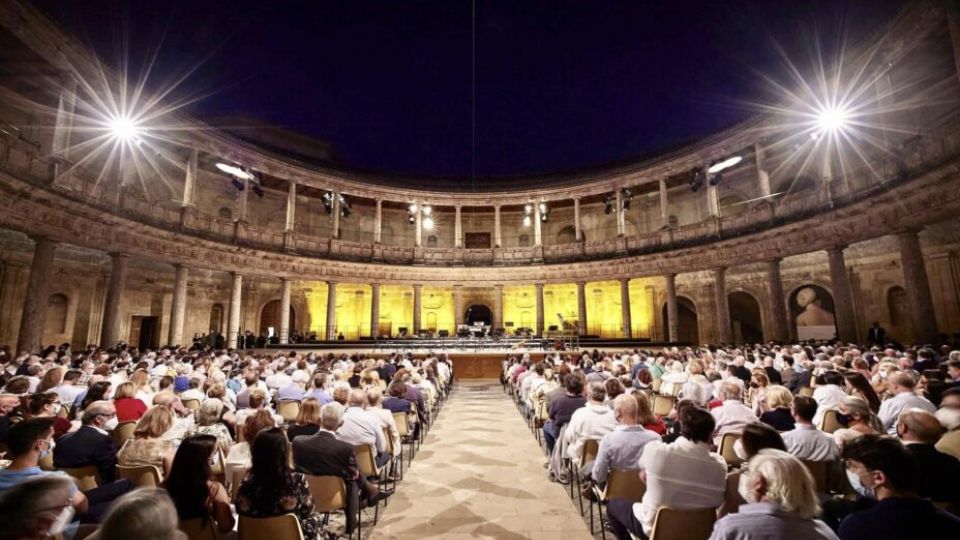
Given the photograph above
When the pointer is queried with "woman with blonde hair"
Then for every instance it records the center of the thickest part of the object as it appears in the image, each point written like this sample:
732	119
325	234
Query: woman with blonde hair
759	382
129	408
777	407
148	447
141	381
308	419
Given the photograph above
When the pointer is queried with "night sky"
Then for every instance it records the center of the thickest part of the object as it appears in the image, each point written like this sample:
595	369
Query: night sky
560	84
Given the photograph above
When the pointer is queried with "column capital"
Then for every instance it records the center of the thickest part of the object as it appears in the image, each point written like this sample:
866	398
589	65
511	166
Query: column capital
581	284
539	286
775	260
836	249
624	280
284	279
418	285
670	275
911	231
332	283
118	255
458	285
719	270
499	286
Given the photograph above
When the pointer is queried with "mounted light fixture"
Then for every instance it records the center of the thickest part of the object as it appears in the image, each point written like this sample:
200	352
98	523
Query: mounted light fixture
428	223
235	171
527	221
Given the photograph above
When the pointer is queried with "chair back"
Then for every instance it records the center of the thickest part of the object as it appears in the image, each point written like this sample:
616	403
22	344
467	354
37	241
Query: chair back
46	462
192	404
365	461
86	478
197	529
235	481
655	385
591	447
624	484
328	492
64	412
285	527
949	443
662	405
386	435
217	467
806	391
403	427
123	432
673	524
829	422
289	409
141	475
726	449
820	471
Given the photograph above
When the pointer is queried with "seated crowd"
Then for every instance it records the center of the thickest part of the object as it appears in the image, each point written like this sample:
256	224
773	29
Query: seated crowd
763	441
219	434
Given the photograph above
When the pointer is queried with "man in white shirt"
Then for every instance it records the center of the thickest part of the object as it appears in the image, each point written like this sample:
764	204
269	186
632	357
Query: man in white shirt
732	415
805	441
363	427
592	421
902	386
828	394
68	389
684	475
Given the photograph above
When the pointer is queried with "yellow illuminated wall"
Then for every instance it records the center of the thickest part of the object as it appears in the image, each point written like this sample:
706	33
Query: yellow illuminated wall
353	310
396	309
603	309
436	309
641	308
559	299
519	307
315	293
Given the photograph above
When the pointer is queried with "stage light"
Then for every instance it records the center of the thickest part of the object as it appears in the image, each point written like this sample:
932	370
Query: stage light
428	223
528	209
832	119
718	166
125	129
696	181
625	197
543	208
427	210
526	221
412	208
237	183
235	171
411	219
258	190
715	178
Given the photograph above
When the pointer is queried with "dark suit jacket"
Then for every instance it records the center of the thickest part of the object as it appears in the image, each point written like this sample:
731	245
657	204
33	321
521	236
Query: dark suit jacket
877	335
325	455
773	375
87	447
939	473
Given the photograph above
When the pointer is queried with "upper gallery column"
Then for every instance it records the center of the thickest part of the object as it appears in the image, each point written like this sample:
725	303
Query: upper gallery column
291	207
457	305
537	229
576	219
498	306
331	310
620	215
335	229
63	125
496	226
242	199
664	209
582	308
673	313
713	195
37	297
418	224
625	308
417	290
723	306
378	222
776	306
178	306
233	323
539	328
112	323
284	332
763	179
457	228
190	178
917	285
842	295
375	310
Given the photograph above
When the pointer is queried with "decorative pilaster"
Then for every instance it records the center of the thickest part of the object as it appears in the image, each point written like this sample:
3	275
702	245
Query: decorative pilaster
37	297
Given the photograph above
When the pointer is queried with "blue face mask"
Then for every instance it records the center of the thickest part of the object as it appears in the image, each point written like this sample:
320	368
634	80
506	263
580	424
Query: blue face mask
857	484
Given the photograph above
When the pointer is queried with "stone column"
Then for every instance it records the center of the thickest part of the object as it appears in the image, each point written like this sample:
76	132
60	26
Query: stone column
776	303
417	289
917	285
457	228
713	196
625	308
539	328
190	178
331	310
458	305
537	235
723	305
576	219
842	295
284	331
112	324
496	226
953	24
335	231
582	307
378	222
178	307
37	297
375	310
242	197
498	306
66	106
291	207
664	210
673	312
763	179
619	214
233	322
418	238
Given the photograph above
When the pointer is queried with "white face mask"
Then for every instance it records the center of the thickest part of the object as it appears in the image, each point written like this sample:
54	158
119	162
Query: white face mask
45	453
858	486
56	408
111	424
63	519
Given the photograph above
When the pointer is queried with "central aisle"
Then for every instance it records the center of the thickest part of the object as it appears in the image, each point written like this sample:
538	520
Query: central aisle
480	474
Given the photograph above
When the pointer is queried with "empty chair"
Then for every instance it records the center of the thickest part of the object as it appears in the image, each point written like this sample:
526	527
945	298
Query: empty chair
621	484
197	529
673	524
288	410
329	495
141	475
726	449
285	527
829	422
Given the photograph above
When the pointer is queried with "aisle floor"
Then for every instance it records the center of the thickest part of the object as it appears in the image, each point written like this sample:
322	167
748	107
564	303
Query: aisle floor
480	474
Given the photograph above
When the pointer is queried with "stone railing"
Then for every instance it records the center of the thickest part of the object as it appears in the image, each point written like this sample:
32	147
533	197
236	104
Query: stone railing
922	153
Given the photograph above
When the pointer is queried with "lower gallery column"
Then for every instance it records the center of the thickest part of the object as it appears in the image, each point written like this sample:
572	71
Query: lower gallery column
496	226
582	308
539	287
331	310
375	310
233	323
285	286
723	305
112	324
178	308
37	297
776	306
417	288
842	297
498	307
457	306
673	321
918	288
625	308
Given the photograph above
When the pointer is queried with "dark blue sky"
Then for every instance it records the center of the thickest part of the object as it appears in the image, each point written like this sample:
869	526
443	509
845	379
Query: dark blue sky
560	84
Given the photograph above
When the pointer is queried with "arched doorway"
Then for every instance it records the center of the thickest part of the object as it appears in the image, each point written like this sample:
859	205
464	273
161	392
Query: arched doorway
745	317
270	316
478	313
688	329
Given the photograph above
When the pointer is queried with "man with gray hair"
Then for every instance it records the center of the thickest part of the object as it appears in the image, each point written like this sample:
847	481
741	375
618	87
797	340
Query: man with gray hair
622	447
732	415
939	473
362	427
296	389
592	421
902	386
91	445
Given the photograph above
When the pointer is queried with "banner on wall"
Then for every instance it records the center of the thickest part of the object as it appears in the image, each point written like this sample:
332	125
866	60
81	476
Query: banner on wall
813	313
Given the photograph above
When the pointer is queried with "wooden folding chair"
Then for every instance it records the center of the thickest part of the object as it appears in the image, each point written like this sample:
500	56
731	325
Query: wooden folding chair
289	410
820	471
86	478
368	468
655	385
329	494
806	391
673	524
591	447
726	449
829	423
141	475
621	484
192	404
403	428
285	527
123	432
197	529
662	405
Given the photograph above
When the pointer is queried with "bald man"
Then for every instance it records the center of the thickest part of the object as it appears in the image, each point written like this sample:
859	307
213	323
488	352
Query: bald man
905	398
939	474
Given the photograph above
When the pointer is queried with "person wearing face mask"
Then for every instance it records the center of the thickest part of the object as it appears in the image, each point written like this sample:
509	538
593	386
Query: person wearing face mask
38	508
881	468
91	445
781	502
857	419
939	472
47	405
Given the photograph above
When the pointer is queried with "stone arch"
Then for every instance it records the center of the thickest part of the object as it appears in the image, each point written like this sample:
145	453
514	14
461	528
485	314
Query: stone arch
567	235
688	328
432	241
746	316
225	212
269	315
478	312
